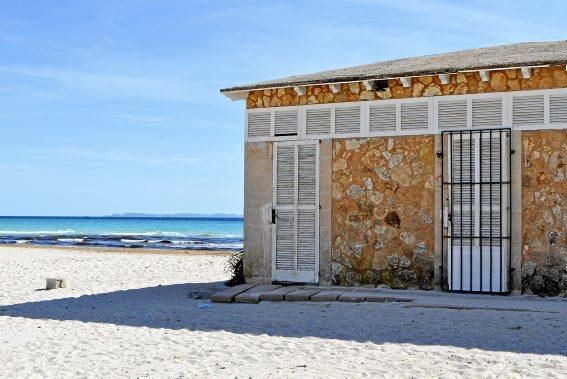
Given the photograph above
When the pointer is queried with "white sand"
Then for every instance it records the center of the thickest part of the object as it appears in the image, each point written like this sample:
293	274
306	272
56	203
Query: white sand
115	319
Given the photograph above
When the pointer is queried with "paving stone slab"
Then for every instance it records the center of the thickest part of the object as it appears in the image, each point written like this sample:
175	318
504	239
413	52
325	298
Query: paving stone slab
252	296
278	294
228	295
327	295
381	298
353	297
301	295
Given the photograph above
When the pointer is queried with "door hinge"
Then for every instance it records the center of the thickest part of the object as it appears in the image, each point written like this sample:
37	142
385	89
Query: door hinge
274	216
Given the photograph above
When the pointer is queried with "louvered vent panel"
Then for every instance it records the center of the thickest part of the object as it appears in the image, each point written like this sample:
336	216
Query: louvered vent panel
382	118
286	123
347	120
452	114
285	227
463	168
306	174
285	175
527	110
259	124
491	171
415	116
486	113
318	121
558	109
306	243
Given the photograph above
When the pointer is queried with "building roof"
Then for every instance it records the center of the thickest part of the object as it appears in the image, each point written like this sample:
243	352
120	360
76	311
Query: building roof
516	55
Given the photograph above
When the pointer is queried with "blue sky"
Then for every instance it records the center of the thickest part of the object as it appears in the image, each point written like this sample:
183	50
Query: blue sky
113	106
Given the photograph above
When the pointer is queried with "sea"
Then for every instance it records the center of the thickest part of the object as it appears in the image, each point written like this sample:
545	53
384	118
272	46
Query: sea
192	233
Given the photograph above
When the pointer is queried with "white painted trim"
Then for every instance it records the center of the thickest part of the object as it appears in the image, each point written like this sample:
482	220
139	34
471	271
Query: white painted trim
406	81
368	84
237	95
507	99
300	90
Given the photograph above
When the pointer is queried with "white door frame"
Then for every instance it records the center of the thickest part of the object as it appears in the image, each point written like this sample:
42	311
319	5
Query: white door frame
296	275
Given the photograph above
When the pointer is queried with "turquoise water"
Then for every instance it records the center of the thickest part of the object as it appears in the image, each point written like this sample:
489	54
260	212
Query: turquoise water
151	232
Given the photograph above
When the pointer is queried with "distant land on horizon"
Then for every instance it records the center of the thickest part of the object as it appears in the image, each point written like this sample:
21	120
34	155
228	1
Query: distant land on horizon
178	215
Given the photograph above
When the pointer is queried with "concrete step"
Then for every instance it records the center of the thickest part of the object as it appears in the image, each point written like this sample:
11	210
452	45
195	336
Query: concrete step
353	297
301	295
328	295
252	296
228	295
278	294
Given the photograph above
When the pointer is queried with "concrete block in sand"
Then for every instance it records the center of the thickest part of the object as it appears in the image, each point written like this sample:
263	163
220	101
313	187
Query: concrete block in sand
228	295
252	296
54	283
328	295
278	294
301	295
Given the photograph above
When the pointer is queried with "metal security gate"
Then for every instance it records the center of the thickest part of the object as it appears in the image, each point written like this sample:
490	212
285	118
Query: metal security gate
476	210
296	212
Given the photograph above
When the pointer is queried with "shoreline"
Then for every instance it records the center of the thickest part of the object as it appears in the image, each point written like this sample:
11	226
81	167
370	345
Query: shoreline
122	250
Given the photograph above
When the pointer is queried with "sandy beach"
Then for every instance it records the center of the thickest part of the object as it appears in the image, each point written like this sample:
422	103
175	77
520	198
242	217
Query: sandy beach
140	314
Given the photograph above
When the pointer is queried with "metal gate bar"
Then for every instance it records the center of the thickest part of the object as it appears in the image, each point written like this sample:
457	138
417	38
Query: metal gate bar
496	177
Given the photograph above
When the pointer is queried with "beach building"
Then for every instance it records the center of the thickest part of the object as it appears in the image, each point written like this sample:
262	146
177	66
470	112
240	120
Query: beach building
445	171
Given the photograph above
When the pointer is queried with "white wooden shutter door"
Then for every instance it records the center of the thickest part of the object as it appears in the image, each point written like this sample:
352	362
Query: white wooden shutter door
296	200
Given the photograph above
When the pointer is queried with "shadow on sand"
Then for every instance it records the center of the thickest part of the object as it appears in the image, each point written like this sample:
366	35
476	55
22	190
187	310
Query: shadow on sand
170	307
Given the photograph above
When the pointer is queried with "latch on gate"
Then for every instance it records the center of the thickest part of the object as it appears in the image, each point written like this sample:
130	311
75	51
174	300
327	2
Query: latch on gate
274	216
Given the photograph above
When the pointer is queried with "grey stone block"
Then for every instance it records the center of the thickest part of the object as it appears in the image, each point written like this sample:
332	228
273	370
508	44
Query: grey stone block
329	295
54	283
353	297
381	298
252	296
301	295
228	295
278	294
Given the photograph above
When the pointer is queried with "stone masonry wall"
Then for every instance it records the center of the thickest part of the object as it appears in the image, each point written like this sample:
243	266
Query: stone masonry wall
459	84
383	204
544	212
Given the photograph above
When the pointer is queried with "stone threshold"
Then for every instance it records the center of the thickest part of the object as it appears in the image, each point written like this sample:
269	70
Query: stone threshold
253	294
